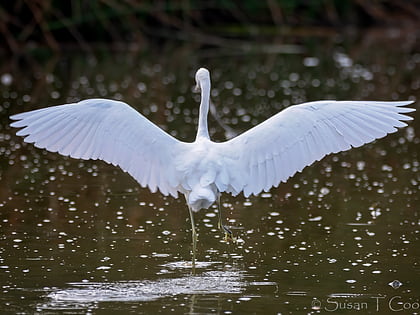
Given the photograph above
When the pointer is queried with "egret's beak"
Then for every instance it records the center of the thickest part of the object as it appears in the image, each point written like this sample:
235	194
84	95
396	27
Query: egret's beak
197	88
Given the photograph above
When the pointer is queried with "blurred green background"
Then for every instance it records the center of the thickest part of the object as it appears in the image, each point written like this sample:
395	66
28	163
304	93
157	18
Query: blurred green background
58	24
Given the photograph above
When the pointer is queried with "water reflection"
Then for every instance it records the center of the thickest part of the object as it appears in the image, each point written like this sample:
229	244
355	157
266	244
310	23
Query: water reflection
211	282
86	295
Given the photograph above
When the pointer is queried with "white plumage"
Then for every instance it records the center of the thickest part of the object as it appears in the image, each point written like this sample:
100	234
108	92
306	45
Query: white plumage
254	161
257	160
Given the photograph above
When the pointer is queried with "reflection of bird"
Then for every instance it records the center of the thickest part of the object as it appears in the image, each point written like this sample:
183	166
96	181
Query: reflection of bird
254	161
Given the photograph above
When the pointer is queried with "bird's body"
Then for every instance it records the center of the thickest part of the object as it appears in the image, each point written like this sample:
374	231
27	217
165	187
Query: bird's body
254	161
200	166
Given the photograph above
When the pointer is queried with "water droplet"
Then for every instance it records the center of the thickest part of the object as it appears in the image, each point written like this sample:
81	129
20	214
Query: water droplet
103	268
310	61
6	79
314	219
395	284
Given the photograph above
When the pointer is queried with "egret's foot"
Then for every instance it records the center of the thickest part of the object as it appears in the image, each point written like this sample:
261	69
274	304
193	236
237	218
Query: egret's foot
228	234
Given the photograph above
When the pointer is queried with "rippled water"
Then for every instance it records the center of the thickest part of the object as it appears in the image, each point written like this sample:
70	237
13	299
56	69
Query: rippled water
83	237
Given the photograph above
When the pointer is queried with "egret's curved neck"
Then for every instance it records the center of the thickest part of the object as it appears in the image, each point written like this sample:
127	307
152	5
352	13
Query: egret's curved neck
203	130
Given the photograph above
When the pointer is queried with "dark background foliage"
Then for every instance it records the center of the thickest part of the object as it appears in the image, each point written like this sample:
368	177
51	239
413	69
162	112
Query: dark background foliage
57	24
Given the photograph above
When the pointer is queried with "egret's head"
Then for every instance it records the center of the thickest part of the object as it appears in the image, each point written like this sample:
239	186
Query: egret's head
201	76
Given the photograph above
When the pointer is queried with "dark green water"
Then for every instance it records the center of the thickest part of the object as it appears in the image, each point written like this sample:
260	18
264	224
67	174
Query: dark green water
81	237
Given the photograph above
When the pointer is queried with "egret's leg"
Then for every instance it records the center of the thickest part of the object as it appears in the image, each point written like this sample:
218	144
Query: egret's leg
222	227
194	236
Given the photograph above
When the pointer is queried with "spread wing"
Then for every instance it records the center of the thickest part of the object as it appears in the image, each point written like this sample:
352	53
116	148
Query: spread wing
284	144
108	130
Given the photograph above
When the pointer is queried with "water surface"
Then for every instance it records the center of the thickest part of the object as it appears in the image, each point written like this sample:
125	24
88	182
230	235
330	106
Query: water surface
83	237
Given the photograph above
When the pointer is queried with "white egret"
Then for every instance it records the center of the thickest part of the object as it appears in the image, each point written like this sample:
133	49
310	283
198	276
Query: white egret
254	161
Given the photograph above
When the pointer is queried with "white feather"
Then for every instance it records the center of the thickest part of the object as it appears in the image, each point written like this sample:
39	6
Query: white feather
108	130
257	160
302	134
